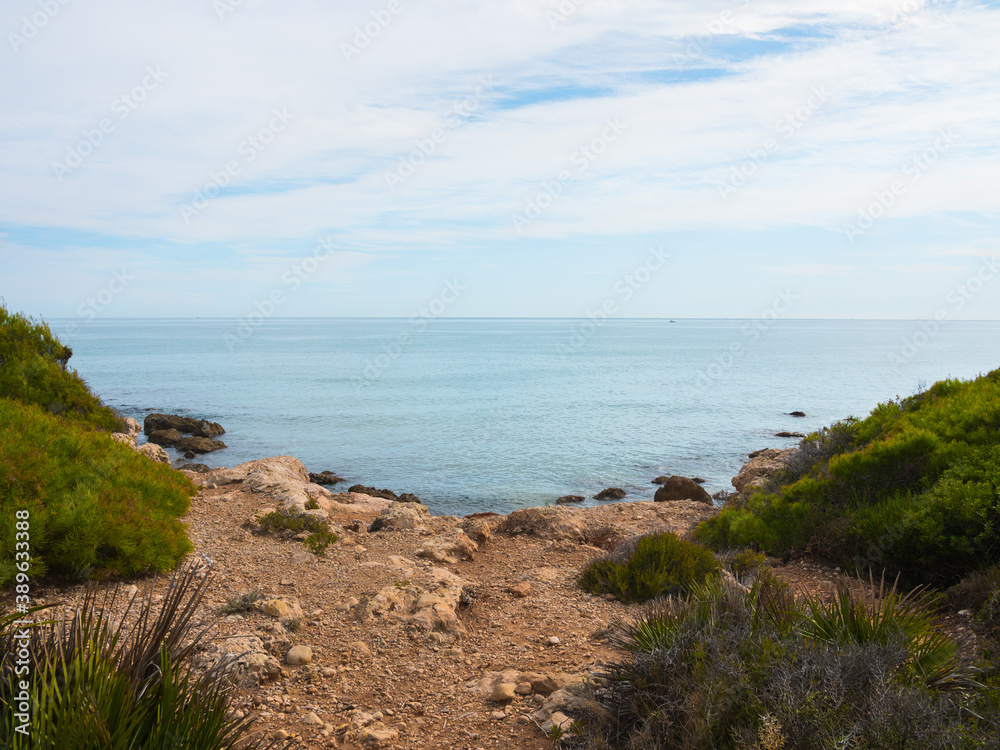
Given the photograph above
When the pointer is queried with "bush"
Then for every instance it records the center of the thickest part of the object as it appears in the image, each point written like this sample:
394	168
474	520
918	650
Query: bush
320	537
912	489
649	566
33	370
94	504
97	684
728	667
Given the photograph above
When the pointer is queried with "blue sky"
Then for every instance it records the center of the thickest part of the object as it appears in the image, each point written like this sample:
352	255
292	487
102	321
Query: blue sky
183	158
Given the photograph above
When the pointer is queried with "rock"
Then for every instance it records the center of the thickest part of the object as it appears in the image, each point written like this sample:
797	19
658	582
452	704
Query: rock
566	499
553	641
523	688
154	453
312	720
611	493
301	557
760	468
279	734
477	529
377	735
557	720
165	437
372	492
187	425
325	478
698	480
402	517
280	608
198	468
545	685
503	692
789	435
796	413
299	656
449	548
199	445
129	432
407	497
660	480
554	524
520	590
681	488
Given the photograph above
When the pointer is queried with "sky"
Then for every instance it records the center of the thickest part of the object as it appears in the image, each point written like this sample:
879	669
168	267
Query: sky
500	158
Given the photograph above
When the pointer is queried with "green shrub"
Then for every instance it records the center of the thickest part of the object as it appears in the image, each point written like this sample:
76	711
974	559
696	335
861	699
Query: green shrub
95	505
649	566
320	537
33	370
914	488
243	603
95	684
730	668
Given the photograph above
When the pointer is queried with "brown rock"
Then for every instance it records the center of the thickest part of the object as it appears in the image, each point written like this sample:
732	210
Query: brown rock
154	453
324	478
199	445
681	488
165	437
611	493
760	468
520	590
555	524
566	499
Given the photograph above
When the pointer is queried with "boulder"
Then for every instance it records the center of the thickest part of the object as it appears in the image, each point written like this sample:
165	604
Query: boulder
187	425
760	468
555	524
796	413
402	517
129	432
611	493
154	453
477	528
407	497
325	478
165	437
198	468
681	488
789	435
449	548
372	492
298	656
198	445
567	499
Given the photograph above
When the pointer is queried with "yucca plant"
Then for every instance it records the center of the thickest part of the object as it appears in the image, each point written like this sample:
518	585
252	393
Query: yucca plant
95	683
884	615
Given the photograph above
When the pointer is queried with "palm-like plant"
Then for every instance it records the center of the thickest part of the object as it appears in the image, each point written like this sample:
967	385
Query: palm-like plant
99	684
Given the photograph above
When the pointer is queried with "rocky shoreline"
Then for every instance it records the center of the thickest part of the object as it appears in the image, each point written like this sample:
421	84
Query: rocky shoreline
412	630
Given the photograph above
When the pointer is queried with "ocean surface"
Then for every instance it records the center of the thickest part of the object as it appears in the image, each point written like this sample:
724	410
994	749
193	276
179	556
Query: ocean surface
496	414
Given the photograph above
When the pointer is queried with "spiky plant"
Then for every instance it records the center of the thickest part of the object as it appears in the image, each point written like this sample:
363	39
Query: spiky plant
95	683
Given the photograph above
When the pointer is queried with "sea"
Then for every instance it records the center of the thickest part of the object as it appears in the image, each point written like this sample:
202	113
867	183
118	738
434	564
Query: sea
476	415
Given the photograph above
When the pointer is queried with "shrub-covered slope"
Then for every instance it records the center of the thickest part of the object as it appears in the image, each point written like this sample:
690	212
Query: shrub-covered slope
913	488
95	506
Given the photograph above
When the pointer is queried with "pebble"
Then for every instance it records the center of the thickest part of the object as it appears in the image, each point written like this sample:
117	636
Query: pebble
503	692
553	641
280	734
298	655
498	715
312	719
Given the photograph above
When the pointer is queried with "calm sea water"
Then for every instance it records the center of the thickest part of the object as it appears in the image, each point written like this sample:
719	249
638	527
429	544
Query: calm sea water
484	414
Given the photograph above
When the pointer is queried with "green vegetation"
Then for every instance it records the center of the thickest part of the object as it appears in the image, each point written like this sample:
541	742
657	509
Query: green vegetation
33	371
243	603
729	666
95	684
320	537
94	506
914	488
649	566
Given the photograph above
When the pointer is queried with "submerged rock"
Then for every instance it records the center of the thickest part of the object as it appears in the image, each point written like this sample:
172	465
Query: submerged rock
198	445
325	478
611	493
187	425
